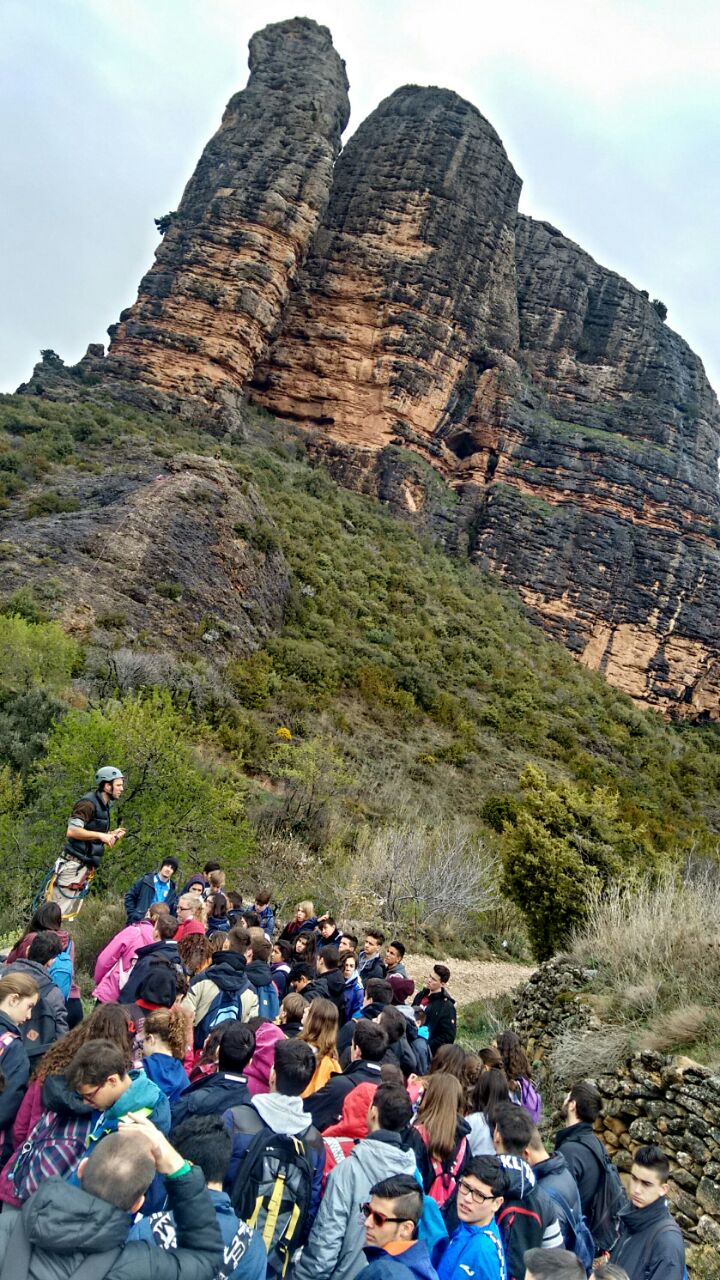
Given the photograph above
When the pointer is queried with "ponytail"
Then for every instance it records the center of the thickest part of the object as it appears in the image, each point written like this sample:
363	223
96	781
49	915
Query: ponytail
170	1026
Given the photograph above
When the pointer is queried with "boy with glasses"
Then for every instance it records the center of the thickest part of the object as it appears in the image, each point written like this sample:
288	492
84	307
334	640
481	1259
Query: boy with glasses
475	1248
391	1217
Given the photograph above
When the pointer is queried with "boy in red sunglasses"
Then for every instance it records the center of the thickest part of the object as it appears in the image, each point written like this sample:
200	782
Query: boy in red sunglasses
391	1217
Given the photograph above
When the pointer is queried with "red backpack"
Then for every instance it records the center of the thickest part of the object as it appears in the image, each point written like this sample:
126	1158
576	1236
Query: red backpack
446	1172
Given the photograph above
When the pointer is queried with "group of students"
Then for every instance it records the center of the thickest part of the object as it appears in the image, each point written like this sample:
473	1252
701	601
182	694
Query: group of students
244	1102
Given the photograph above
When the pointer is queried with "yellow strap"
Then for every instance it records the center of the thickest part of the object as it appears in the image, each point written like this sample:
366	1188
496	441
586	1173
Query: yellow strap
273	1211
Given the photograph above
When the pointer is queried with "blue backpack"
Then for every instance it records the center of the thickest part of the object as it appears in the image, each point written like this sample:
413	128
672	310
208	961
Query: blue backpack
226	1007
268	1001
582	1243
61	970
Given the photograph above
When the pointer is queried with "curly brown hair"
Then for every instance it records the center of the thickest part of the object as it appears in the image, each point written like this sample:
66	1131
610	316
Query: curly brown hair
106	1022
195	952
170	1026
515	1060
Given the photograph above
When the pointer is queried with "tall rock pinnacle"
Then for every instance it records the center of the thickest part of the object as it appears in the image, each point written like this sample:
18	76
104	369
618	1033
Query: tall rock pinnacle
221	276
400	311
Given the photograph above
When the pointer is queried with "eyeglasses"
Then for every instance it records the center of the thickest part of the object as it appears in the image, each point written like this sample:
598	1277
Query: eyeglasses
378	1218
477	1197
92	1095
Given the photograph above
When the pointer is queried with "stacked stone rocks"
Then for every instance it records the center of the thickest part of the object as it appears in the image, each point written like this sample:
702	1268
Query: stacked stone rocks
650	1097
549	1004
674	1103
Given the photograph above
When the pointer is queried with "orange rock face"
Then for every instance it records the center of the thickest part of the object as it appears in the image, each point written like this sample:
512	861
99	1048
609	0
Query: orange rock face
206	308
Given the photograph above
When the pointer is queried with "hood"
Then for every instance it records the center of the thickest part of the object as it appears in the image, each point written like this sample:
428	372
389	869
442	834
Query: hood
63	1219
258	1070
402	986
382	1155
58	1097
281	1113
227	971
353	980
164	947
634	1220
361	1072
522	1178
37	972
556	1163
258	973
142	1095
167	1073
353	1121
372	1010
335	983
412	1254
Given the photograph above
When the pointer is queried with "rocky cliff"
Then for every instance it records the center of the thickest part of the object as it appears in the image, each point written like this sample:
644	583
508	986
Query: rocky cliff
402	312
222	272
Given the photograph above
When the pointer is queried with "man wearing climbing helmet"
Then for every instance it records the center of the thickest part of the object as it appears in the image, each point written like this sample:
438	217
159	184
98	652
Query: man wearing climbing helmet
88	835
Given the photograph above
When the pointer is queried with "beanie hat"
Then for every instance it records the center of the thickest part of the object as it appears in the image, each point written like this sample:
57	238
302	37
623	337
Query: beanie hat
402	987
159	986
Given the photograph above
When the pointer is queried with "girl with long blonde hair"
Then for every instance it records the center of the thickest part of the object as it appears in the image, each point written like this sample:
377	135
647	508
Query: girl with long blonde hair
320	1028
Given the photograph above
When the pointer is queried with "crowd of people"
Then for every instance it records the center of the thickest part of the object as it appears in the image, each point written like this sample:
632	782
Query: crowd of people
246	1101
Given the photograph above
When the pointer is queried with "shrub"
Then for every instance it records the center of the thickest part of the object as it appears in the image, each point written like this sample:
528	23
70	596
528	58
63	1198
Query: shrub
578	1055
678	1028
50	504
562	846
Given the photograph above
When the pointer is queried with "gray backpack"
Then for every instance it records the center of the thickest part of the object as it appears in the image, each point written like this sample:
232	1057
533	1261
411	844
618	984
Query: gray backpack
16	1265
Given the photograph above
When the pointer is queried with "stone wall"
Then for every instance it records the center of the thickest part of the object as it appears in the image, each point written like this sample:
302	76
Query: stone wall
647	1097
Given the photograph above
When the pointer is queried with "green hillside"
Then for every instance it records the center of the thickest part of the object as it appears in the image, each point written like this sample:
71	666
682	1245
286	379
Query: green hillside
406	690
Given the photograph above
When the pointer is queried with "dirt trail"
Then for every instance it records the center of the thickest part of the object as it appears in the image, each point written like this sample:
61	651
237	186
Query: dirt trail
471	979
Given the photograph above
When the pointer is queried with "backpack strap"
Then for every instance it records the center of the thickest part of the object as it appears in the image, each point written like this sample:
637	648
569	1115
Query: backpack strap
561	1202
661	1229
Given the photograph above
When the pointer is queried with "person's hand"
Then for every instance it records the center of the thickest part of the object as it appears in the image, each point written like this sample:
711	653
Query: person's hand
119	832
107	838
167	1159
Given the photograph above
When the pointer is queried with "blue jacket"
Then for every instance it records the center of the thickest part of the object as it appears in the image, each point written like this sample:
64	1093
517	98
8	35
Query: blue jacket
477	1250
244	1258
167	1073
15	1066
411	1264
267	921
651	1245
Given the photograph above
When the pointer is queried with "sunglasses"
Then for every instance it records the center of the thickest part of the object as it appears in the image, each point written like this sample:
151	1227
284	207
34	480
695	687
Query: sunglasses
478	1197
378	1218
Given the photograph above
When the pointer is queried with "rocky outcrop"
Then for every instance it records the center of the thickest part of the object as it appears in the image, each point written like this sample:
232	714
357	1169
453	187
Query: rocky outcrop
222	272
176	559
416	326
399	314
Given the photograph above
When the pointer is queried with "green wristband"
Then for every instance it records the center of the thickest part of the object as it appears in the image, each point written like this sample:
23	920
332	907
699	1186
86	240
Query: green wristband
184	1168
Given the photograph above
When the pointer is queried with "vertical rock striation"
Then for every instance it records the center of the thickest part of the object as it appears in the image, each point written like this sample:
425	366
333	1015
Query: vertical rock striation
221	276
606	511
399	313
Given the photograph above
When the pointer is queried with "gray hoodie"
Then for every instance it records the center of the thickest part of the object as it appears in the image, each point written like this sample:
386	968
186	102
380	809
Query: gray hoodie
334	1247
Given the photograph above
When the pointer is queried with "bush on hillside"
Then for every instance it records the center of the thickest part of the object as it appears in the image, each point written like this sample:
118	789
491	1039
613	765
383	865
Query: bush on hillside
563	846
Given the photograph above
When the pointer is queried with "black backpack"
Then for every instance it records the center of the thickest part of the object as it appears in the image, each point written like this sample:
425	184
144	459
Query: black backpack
272	1192
604	1212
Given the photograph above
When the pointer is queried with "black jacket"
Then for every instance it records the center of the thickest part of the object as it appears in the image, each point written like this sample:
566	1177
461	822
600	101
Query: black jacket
141	895
64	1225
577	1143
329	986
211	1096
440	1017
527	1219
346	1033
15	1066
325	1106
371	967
165	950
651	1246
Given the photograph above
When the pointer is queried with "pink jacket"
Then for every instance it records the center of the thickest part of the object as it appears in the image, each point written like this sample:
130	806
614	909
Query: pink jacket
263	1059
119	957
30	1111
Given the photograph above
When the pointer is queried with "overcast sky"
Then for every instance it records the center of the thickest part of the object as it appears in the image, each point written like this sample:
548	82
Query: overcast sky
609	111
